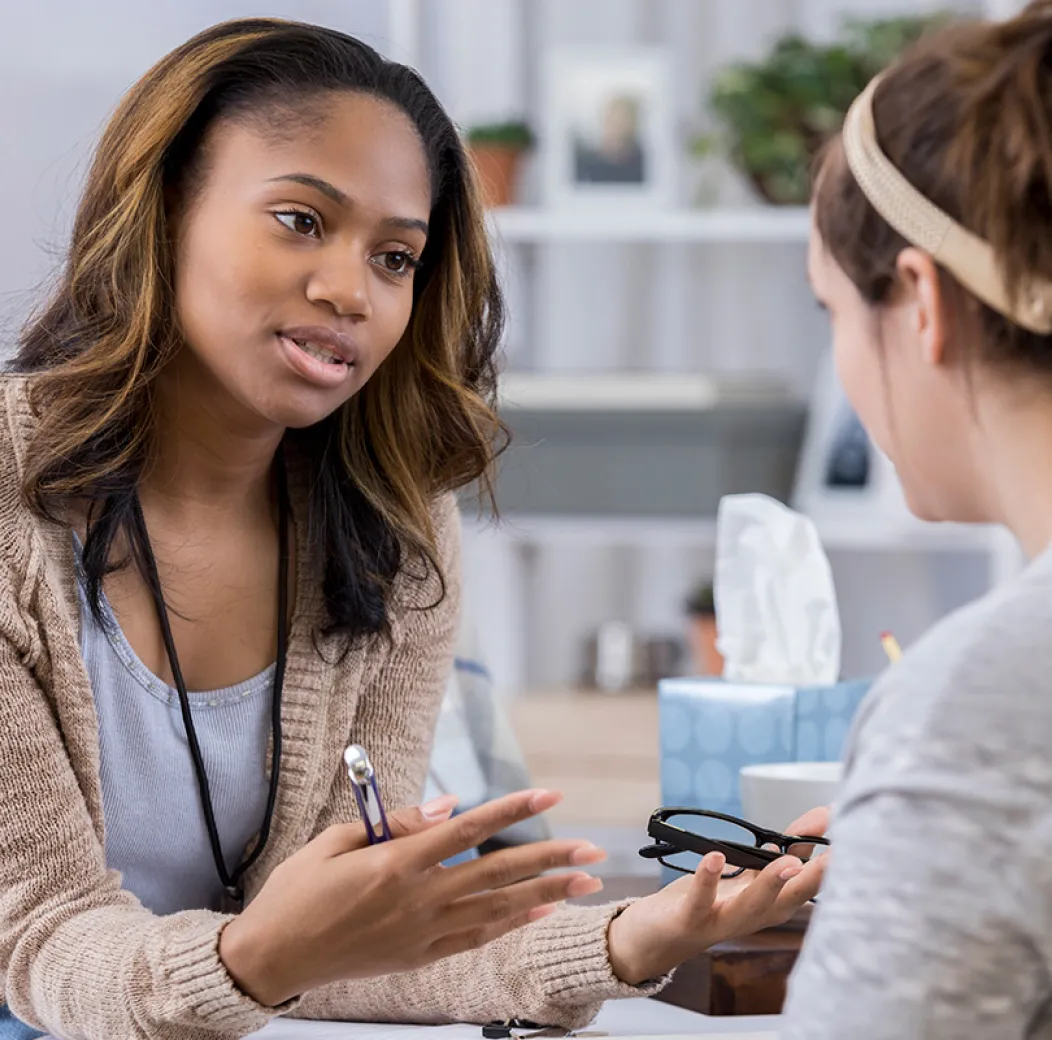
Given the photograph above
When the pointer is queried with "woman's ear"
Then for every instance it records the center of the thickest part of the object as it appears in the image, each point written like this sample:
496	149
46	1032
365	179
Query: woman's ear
922	296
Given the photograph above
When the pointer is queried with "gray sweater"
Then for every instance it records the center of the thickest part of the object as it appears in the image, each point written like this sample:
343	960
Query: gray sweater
936	918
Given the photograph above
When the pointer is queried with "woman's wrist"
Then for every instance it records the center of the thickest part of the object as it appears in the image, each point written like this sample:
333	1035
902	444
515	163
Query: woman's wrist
622	962
244	955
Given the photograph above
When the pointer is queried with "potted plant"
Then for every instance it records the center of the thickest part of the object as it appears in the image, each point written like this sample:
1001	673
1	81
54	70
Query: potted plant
497	149
776	113
701	631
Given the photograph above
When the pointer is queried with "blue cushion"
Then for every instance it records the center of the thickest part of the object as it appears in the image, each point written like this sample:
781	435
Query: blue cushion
12	1028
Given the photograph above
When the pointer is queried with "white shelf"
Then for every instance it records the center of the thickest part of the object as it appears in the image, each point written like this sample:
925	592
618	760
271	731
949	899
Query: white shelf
590	224
635	391
607	530
836	533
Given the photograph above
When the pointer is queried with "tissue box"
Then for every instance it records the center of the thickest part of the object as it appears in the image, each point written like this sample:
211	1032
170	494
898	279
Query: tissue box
711	728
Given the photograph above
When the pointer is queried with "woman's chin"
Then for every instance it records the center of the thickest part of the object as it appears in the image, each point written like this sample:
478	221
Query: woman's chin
300	418
297	410
923	508
920	504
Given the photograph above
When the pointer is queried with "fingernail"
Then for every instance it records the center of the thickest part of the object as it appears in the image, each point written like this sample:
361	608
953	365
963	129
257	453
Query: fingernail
439	808
542	800
584	886
715	862
790	872
587	854
539	912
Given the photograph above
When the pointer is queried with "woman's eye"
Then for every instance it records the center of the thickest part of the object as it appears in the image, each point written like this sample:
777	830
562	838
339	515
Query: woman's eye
301	223
398	262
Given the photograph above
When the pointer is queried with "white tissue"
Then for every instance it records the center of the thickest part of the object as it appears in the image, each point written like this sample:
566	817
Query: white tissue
776	610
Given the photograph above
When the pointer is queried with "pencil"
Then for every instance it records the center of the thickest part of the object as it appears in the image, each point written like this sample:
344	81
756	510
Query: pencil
891	646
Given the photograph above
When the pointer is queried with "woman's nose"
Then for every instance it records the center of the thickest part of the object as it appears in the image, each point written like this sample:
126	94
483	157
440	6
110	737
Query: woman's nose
342	282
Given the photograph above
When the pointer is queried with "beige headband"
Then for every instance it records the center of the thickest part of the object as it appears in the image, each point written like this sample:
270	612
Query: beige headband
969	258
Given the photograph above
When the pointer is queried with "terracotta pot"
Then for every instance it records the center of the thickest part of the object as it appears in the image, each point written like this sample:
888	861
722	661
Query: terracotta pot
701	635
498	169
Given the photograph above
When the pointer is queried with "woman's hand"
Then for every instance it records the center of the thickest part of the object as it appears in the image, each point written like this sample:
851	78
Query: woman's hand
341	909
658	933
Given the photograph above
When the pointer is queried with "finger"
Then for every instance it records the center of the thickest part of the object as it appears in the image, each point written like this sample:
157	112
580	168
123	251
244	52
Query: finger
347	837
499	869
814	823
492	908
461	942
752	907
472	828
405	822
799	890
703	887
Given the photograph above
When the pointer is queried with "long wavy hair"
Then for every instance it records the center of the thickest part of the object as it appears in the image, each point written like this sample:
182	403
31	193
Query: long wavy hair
423	424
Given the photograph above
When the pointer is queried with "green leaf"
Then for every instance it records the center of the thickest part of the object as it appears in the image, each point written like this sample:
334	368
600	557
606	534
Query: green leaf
514	134
704	145
777	112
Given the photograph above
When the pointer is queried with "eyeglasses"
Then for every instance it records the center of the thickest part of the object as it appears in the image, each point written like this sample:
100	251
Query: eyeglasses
684	836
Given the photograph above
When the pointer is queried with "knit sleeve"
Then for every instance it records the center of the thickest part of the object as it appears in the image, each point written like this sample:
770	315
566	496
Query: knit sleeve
555	971
80	956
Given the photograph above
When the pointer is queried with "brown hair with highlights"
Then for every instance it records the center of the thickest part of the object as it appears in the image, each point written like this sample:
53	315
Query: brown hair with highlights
422	425
966	116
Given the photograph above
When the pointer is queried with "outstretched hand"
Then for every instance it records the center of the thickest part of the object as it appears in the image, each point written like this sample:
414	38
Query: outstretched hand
656	934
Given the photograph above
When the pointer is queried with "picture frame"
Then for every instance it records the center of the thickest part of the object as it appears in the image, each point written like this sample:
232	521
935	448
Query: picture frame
608	135
841	474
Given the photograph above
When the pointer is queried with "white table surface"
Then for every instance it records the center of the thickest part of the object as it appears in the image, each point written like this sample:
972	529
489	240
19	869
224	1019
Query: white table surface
619	1018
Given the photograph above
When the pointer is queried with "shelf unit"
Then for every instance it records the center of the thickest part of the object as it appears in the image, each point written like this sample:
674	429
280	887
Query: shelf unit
744	224
708	307
635	391
837	533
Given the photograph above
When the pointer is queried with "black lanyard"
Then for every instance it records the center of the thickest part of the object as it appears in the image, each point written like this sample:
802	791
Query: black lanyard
234	890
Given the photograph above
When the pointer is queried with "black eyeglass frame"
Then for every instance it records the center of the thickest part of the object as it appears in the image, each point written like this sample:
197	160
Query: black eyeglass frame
671	840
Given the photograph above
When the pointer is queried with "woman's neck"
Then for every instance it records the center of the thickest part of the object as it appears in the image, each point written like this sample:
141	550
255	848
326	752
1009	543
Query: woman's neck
208	454
1016	437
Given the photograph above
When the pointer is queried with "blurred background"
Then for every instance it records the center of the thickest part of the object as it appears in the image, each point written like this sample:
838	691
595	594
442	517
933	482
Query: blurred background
647	163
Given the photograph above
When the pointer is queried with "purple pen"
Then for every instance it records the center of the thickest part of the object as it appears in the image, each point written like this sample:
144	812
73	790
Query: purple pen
363	777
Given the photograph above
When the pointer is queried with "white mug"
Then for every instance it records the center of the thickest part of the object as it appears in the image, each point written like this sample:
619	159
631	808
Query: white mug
774	795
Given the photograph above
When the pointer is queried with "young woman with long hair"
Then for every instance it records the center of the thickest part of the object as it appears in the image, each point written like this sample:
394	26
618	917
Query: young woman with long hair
229	453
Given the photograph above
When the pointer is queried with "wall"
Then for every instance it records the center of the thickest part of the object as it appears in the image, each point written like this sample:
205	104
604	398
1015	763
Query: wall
63	65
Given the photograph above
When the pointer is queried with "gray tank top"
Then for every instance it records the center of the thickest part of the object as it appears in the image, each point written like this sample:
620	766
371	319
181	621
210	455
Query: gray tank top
155	827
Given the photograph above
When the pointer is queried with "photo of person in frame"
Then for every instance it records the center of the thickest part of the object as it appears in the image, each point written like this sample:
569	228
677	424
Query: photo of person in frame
610	151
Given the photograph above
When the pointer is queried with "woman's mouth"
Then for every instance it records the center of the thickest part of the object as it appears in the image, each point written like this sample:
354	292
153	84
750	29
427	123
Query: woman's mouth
320	353
316	362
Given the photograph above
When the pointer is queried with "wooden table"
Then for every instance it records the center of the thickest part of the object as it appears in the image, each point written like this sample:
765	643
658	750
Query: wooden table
740	977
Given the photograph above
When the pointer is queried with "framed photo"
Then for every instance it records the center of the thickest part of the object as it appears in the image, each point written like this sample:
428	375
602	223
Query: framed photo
608	128
841	473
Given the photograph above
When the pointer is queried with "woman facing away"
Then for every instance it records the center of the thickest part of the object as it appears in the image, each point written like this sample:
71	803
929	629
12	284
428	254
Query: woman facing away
231	548
932	250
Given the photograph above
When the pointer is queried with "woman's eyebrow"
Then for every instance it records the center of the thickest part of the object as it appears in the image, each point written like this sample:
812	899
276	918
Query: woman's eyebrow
308	180
330	191
407	224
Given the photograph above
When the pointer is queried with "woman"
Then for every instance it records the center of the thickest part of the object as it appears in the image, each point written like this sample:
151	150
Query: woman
932	250
228	464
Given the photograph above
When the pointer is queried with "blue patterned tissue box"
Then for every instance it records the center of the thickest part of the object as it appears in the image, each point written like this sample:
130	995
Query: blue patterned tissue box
711	728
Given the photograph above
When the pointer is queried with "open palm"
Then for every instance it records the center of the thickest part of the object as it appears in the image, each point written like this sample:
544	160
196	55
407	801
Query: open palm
656	934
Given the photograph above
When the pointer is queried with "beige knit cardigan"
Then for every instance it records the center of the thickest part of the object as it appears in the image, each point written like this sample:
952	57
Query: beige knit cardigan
81	957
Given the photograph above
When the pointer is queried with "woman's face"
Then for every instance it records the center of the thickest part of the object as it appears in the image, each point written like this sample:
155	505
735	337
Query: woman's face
295	257
896	373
